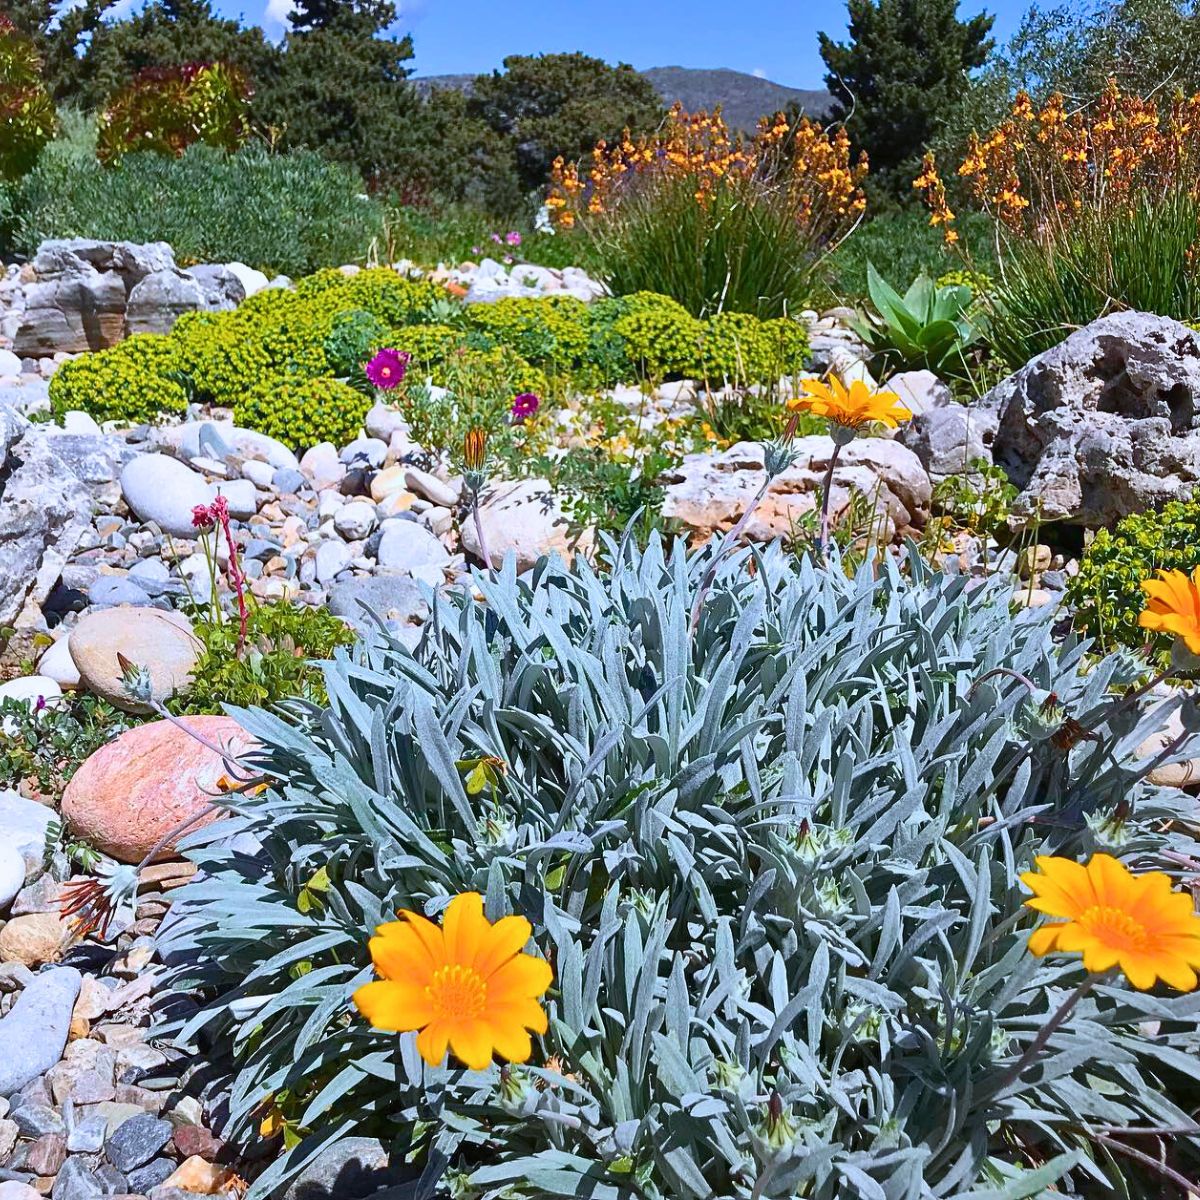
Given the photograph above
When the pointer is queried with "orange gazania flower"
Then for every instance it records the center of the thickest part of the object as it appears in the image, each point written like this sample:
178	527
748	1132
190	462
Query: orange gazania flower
852	408
465	984
1115	918
1173	606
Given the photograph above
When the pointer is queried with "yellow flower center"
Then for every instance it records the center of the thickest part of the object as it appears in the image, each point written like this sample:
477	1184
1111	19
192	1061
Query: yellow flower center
458	993
1114	927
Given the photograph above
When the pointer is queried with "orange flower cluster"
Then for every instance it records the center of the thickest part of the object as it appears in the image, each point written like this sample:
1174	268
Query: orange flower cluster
815	165
1048	164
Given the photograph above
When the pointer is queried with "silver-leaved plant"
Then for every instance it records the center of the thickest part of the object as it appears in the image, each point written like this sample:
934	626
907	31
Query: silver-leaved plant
774	864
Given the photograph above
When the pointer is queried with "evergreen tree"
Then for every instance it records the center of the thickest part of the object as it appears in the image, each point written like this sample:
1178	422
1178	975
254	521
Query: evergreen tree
552	104
899	79
342	87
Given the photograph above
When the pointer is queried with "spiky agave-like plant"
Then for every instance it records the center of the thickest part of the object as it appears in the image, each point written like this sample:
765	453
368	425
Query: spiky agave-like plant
773	862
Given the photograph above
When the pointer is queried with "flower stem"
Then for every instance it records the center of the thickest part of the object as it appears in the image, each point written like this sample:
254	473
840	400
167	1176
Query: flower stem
1044	1034
826	490
730	541
484	553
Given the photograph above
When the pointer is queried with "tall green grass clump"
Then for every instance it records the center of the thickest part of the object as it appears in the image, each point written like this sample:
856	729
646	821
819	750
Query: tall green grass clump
773	861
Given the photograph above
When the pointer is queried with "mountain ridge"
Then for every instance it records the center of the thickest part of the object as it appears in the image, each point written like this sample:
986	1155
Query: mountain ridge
743	98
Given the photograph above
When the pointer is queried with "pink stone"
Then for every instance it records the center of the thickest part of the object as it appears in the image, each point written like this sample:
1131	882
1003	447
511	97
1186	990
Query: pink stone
138	788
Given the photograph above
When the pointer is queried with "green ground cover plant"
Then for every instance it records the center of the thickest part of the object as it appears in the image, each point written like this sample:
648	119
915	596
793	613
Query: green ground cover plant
773	865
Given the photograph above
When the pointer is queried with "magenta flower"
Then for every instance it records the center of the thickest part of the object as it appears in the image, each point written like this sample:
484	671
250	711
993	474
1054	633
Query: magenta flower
201	517
497	238
524	405
387	369
513	238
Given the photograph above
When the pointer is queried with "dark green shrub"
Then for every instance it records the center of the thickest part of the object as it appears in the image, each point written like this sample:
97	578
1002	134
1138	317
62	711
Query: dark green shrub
301	412
549	332
290	212
1106	594
354	336
657	335
283	641
132	383
739	349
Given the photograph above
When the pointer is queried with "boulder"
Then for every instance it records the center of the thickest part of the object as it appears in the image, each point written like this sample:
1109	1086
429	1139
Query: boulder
524	518
161	642
252	281
44	510
163	490
1105	424
395	599
223	288
156	302
23	826
135	790
709	492
919	391
81	288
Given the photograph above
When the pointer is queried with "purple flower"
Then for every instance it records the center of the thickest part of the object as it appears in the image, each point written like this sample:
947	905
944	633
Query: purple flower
387	369
513	238
497	238
524	405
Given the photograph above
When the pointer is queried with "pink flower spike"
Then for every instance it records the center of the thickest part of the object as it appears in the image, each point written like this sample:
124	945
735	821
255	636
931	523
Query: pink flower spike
388	368
202	518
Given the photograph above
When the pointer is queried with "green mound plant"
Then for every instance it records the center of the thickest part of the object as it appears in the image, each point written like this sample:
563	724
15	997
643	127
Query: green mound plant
301	412
772	859
1106	595
134	382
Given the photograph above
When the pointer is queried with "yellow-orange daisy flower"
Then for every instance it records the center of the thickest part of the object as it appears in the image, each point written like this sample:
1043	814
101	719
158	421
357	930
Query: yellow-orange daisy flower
465	984
852	407
1173	606
1115	918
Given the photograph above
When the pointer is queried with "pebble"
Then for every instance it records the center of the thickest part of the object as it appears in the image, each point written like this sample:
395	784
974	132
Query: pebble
395	599
111	590
332	558
57	664
136	1141
383	421
432	488
163	490
33	939
369	450
322	466
287	480
355	520
260	473
34	1032
23	826
77	1182
151	575
241	496
406	545
87	1136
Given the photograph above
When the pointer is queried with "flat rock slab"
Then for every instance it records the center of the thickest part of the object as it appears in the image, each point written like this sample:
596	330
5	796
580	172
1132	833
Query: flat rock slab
33	1034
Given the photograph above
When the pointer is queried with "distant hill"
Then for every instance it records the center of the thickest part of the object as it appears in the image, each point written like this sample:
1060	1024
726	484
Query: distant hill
743	98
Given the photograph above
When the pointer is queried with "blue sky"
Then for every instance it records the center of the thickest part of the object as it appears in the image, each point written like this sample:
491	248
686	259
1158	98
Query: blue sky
776	38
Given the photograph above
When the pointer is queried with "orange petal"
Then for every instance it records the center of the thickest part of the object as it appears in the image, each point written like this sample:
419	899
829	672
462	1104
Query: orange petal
429	935
395	1006
519	978
471	1042
505	939
1044	939
432	1042
464	928
401	955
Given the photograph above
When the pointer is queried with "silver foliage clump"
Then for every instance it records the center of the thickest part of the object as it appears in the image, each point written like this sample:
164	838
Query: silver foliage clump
774	866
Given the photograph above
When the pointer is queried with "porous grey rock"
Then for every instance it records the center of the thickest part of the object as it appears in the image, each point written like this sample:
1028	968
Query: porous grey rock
709	492
407	546
34	1032
947	439
43	513
919	391
163	490
1105	424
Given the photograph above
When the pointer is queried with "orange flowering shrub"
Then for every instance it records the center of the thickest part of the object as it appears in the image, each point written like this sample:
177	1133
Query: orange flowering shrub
815	167
716	220
1047	165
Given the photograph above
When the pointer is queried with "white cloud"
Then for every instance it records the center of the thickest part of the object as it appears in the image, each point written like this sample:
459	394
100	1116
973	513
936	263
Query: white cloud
759	73
275	15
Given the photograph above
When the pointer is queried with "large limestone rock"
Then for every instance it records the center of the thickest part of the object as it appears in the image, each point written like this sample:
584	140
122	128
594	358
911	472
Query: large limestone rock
44	510
89	295
1103	425
948	438
710	492
527	519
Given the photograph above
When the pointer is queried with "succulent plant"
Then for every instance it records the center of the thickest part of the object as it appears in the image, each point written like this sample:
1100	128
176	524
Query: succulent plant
773	864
